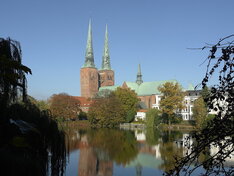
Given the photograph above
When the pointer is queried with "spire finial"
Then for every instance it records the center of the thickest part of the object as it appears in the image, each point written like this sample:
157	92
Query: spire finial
89	59
139	75
106	56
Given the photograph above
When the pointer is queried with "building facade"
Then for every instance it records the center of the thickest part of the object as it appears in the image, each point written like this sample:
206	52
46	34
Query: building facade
141	115
150	96
186	113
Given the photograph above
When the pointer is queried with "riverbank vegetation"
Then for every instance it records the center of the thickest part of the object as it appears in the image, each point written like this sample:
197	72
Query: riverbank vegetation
64	107
28	135
119	106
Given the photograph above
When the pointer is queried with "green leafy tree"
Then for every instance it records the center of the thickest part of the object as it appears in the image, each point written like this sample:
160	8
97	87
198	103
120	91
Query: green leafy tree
43	105
111	110
130	116
172	99
106	112
205	93
64	106
129	102
153	118
82	116
199	112
208	120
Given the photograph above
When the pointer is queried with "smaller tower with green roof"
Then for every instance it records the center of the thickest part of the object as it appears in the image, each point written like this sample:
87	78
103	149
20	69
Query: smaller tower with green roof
139	76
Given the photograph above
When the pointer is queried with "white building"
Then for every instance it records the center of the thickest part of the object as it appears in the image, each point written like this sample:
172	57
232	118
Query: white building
187	113
141	115
189	99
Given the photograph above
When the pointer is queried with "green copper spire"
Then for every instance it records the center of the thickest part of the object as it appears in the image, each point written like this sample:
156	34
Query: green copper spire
139	75
106	56
89	59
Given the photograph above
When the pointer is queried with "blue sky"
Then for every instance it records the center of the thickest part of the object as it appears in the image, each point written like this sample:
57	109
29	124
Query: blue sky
154	33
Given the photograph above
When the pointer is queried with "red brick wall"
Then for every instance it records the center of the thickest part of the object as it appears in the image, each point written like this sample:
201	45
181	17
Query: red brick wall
106	78
148	100
88	82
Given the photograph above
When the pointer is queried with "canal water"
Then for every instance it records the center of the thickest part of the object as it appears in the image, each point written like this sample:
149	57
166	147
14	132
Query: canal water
114	152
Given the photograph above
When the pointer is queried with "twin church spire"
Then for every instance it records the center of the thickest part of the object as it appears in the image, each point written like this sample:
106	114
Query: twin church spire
89	57
106	55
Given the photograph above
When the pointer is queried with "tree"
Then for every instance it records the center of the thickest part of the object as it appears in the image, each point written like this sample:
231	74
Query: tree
43	105
117	107
205	92
82	115
153	118
27	134
64	106
106	112
219	131
199	112
12	71
172	99
129	101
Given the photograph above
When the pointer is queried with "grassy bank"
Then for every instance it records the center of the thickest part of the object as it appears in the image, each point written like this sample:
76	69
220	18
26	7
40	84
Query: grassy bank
80	124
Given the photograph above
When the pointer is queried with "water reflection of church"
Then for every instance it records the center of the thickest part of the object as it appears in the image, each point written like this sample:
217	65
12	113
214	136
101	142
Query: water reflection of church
95	161
90	164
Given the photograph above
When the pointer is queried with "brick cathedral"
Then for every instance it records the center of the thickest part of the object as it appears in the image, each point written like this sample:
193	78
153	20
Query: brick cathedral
91	79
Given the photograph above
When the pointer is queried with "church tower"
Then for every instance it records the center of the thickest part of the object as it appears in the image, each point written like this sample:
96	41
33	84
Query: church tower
89	73
106	74
139	75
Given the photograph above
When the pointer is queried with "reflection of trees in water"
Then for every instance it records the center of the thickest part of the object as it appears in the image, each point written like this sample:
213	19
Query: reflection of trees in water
169	149
73	135
152	136
100	147
168	152
121	146
164	143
